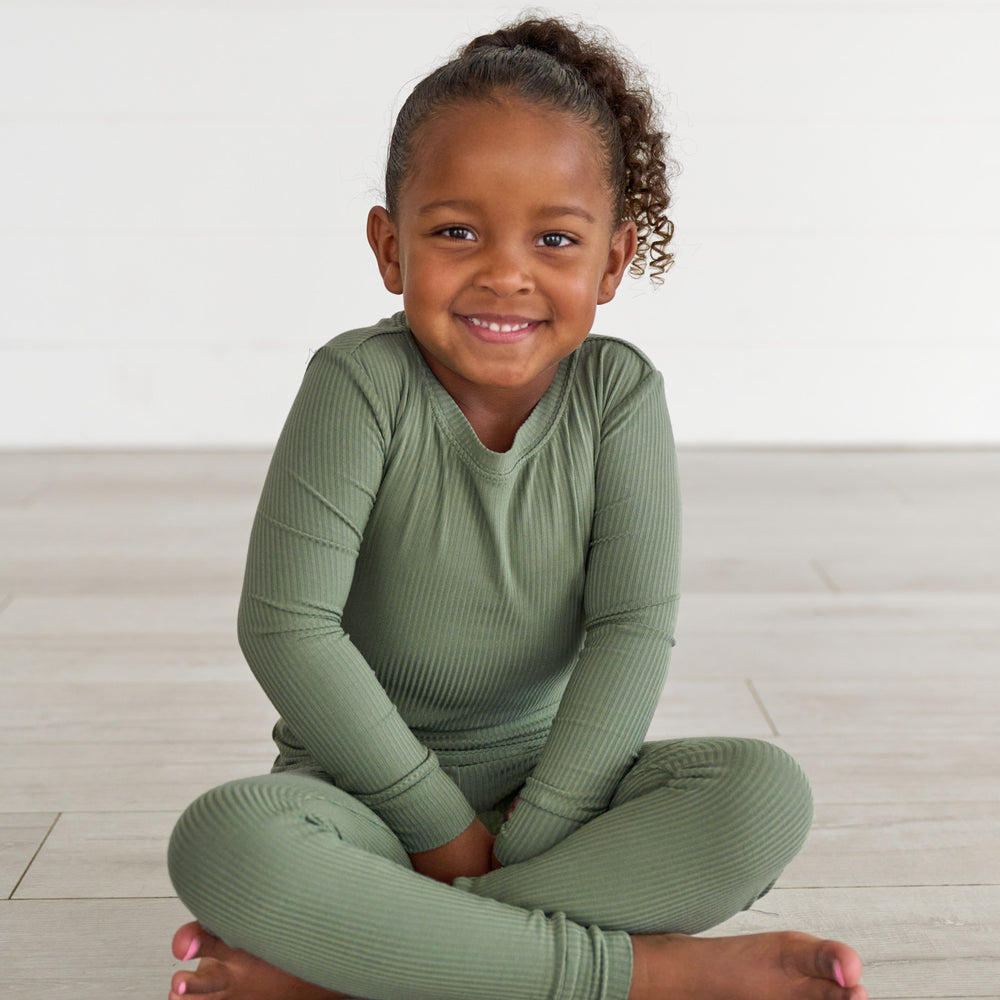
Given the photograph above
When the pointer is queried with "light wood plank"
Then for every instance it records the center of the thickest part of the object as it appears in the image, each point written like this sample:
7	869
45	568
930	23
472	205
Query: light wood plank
66	473
102	855
723	478
174	659
699	708
78	555
917	554
122	614
761	615
856	707
864	521
714	565
915	767
147	523
16	492
910	657
122	777
89	949
134	713
728	478
21	834
912	636
219	574
899	844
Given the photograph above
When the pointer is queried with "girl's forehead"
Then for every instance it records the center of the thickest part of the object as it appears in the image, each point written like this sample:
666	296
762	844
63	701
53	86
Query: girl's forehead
500	142
510	115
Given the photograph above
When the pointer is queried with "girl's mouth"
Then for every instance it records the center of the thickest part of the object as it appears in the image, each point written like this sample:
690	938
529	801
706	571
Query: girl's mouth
500	329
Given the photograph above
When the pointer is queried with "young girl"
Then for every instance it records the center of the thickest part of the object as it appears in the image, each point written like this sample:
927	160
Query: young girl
460	596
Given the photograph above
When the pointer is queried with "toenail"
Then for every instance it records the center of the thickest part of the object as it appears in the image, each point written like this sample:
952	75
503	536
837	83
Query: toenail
182	989
838	973
191	952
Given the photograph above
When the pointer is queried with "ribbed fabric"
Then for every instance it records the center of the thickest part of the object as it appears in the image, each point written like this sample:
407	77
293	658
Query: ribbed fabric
443	628
298	872
697	831
408	590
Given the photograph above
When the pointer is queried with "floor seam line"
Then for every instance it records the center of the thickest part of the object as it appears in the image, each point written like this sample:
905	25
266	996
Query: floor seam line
38	850
763	709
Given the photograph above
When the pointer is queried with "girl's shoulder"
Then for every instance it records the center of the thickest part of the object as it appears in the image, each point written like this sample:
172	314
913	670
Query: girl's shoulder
380	355
617	352
613	369
384	342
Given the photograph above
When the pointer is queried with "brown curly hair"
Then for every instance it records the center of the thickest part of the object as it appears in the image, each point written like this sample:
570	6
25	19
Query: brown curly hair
573	70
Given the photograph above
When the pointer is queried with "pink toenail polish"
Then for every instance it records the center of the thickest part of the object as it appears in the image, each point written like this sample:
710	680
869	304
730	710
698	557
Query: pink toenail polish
838	973
191	952
182	989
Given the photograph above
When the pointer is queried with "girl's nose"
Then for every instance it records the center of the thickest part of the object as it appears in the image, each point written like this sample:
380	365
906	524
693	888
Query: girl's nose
504	271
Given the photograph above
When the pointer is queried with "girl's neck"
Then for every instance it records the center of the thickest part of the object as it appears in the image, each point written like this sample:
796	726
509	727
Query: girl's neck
495	413
496	425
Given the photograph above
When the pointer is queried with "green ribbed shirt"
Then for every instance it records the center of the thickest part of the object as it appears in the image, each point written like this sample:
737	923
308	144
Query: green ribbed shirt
409	591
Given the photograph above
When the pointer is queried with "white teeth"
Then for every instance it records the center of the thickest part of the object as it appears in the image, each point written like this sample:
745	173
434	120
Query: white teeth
498	327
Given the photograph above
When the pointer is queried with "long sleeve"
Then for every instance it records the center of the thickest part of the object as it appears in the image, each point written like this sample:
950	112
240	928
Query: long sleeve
316	502
630	609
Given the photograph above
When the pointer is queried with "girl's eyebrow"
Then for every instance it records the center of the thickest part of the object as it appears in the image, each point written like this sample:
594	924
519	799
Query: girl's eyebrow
553	211
547	211
445	203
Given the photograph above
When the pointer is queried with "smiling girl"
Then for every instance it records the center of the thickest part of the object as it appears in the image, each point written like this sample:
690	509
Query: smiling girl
460	596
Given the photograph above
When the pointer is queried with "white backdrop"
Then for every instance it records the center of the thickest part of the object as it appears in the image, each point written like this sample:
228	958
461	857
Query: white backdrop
184	185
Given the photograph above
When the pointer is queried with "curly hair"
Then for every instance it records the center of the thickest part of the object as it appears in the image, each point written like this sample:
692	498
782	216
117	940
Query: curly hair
575	71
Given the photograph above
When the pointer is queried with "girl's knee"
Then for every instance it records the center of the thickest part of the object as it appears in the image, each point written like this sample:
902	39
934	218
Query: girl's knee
771	794
254	822
210	825
778	781
747	776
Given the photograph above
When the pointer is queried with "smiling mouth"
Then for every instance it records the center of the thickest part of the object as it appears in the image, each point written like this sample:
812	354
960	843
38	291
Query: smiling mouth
512	325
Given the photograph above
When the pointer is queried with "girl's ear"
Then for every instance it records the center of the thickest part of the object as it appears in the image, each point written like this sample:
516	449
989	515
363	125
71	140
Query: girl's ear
624	243
383	238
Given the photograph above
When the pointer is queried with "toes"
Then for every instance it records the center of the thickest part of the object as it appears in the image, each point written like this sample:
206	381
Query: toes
209	978
193	941
839	962
186	941
200	996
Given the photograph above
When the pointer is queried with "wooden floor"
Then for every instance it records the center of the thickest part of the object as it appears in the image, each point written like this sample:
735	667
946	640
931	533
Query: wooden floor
845	605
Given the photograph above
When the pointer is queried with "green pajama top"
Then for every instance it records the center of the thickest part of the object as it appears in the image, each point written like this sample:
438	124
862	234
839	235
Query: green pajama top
409	590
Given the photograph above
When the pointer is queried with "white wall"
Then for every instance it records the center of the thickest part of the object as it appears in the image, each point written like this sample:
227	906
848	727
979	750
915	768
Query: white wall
183	189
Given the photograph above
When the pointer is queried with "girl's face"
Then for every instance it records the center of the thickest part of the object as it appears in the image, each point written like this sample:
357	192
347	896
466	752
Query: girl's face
503	244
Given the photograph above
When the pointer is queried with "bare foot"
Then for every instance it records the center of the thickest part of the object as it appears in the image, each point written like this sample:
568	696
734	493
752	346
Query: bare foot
225	973
783	966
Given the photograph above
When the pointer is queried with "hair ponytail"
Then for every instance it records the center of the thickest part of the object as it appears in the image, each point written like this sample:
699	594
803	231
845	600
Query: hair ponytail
572	70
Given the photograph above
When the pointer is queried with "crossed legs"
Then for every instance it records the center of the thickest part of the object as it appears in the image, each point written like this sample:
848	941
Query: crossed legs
293	873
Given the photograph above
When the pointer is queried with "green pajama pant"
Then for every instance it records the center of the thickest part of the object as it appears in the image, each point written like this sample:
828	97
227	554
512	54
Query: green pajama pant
297	872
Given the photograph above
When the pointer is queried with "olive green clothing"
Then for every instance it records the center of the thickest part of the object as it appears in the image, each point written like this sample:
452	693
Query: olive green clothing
446	632
410	591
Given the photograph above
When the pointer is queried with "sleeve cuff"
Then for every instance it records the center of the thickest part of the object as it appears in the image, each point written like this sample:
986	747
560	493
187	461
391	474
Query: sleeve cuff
425	810
533	829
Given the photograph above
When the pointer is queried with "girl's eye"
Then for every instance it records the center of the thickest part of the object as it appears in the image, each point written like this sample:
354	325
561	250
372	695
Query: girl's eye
555	240
457	233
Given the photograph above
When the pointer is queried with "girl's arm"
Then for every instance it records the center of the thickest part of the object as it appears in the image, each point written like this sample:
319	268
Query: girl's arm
315	504
630	608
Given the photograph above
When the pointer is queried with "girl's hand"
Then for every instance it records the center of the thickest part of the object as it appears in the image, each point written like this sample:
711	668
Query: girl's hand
469	854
